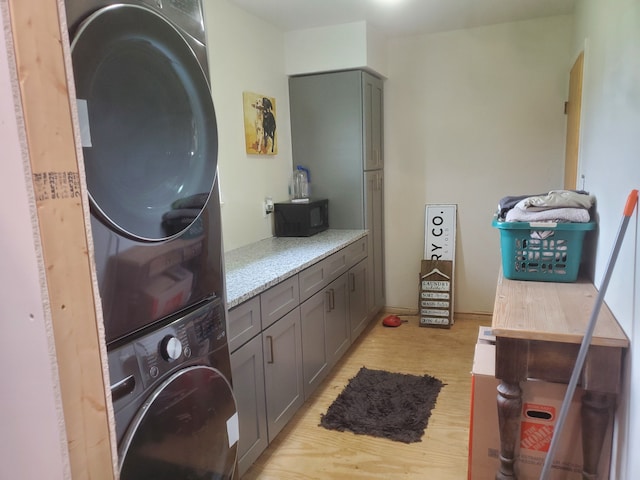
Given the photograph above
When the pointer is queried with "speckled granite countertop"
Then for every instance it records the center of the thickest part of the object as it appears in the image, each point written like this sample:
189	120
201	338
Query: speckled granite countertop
254	268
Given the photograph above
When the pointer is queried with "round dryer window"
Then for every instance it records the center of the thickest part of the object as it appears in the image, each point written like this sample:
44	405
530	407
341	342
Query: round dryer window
147	121
187	429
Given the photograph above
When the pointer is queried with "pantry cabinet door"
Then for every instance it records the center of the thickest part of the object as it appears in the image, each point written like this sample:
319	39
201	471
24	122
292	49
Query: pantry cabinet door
358	310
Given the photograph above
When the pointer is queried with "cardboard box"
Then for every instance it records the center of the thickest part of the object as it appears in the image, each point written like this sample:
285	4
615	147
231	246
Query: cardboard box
485	335
541	404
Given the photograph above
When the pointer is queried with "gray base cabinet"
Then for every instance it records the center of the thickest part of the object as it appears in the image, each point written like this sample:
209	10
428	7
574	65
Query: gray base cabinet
326	314
325	332
282	344
285	341
337	320
266	366
315	363
247	365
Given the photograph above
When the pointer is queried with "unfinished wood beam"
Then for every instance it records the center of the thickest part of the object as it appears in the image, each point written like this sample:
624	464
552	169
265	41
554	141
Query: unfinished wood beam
42	58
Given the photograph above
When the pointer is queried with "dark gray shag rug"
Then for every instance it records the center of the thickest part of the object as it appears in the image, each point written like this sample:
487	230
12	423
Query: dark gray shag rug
396	406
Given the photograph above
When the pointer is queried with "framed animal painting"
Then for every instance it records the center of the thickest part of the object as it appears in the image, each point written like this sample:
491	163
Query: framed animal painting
260	124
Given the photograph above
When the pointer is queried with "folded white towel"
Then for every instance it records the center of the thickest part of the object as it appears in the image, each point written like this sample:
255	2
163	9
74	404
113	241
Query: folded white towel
579	215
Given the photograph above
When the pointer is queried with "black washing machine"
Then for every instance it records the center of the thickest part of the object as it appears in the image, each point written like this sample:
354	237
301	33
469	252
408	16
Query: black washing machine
175	413
149	140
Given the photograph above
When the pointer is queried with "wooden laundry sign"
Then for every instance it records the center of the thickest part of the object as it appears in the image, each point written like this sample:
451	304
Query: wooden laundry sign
436	293
437	269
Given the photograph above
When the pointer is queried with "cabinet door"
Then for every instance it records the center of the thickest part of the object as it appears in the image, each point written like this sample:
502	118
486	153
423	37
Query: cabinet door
247	370
282	345
372	122
358	307
374	196
336	322
314	352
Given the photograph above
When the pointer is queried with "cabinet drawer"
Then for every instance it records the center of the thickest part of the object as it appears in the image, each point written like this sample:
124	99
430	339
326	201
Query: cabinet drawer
279	300
337	264
318	276
312	279
244	323
356	252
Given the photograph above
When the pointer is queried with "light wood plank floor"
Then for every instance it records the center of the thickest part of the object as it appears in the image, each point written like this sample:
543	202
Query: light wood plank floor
304	450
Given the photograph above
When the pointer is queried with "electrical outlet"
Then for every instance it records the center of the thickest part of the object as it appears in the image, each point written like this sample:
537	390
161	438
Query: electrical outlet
268	206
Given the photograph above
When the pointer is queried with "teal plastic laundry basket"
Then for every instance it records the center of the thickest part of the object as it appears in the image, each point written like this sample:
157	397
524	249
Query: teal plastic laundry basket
540	251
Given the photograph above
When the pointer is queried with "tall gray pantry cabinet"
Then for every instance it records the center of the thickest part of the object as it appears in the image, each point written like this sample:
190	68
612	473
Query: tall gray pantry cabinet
337	133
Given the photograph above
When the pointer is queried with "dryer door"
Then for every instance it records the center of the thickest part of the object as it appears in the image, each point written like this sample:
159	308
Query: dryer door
147	122
187	429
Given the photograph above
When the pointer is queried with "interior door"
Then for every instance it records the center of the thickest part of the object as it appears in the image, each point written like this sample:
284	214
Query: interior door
573	109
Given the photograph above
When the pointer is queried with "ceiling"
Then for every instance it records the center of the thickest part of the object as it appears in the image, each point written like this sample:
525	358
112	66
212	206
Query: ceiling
401	17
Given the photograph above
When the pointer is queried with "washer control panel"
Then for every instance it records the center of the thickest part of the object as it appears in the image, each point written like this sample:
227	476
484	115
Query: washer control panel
189	337
170	348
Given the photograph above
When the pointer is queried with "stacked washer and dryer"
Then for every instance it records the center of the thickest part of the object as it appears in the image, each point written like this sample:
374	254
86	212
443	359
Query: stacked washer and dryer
149	140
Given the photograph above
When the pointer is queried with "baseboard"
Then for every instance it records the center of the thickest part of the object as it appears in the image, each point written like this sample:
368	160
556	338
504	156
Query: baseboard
479	316
399	311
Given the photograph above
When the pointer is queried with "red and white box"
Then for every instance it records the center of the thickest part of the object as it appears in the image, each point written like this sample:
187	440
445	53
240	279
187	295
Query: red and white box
541	404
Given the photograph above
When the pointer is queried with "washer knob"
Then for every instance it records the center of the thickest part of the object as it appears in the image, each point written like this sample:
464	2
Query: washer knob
170	348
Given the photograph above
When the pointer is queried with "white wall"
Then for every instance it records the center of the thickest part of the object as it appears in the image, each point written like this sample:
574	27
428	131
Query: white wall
610	163
470	116
314	49
337	47
33	442
247	54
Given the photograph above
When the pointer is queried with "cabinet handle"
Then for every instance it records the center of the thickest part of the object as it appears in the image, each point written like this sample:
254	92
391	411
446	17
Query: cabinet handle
352	281
333	299
327	300
270	340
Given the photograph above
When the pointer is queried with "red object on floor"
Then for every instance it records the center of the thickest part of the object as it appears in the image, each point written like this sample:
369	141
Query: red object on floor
392	321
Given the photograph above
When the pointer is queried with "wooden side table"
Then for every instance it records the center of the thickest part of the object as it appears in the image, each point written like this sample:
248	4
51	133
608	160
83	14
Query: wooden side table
539	327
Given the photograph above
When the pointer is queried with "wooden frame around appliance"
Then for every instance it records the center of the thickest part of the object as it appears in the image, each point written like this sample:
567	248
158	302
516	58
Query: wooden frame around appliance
42	56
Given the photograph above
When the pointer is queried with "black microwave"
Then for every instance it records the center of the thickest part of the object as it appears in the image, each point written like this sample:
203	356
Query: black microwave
301	219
